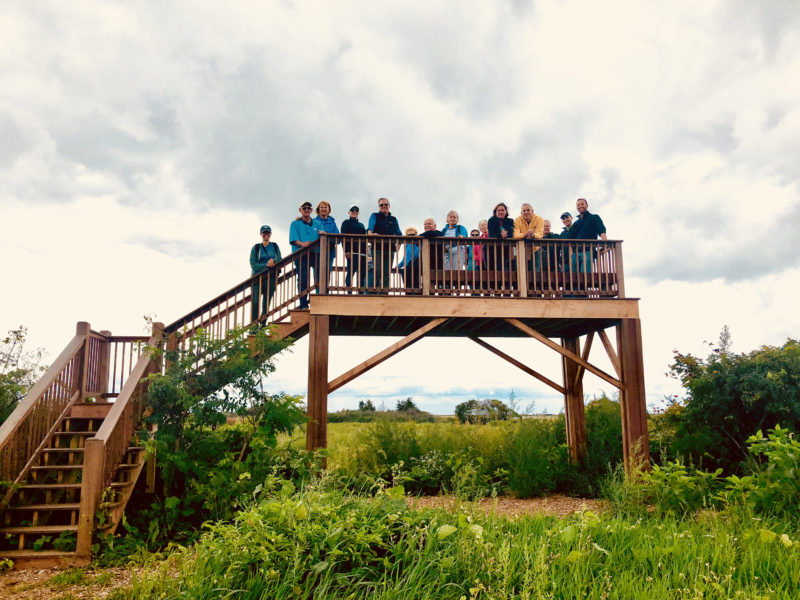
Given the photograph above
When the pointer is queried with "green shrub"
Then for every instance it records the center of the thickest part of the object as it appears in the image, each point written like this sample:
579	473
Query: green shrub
537	457
731	396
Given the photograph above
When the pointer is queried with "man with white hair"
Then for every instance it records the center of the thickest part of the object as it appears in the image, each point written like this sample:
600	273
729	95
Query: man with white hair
529	226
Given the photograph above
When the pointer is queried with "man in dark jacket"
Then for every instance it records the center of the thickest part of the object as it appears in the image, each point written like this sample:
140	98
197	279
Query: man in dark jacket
588	227
383	223
355	250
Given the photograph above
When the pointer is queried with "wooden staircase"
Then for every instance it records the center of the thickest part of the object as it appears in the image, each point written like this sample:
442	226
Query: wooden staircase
69	453
40	522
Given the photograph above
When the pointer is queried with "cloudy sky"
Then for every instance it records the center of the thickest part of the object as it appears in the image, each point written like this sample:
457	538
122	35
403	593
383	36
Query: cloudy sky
142	144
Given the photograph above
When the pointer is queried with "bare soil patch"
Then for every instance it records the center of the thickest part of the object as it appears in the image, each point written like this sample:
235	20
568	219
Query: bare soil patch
555	505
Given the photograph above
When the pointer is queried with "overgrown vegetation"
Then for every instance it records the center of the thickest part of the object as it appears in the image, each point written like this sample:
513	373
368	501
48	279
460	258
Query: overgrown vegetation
208	468
730	397
701	524
318	543
526	457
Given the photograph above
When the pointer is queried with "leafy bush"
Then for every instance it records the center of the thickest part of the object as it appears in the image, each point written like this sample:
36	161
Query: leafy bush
771	487
537	457
483	411
731	396
208	469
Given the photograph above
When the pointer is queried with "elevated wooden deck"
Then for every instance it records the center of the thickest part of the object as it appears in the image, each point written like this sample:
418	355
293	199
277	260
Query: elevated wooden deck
564	294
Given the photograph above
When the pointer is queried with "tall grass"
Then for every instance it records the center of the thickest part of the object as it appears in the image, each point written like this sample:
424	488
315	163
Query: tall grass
322	544
525	457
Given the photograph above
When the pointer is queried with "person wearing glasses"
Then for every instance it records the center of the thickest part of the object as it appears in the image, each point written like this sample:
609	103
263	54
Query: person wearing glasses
326	223
551	250
302	233
263	257
383	223
475	252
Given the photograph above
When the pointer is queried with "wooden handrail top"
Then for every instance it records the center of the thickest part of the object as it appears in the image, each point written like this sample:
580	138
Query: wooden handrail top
239	287
29	402
139	371
123	339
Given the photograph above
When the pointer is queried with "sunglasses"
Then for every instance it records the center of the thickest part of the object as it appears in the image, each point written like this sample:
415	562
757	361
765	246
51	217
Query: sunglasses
474	235
383	205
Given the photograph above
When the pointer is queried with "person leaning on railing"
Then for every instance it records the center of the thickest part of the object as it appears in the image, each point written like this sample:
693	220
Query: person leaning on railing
383	223
263	257
529	226
355	250
588	227
501	227
455	255
302	233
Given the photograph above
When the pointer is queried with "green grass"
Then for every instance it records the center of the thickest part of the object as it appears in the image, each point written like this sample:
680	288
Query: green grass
322	544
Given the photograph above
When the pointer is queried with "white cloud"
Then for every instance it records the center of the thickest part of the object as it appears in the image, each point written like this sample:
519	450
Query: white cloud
146	143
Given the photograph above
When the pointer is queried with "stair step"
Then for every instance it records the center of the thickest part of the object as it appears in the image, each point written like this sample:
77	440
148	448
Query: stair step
70	506
34	529
65	433
45	559
50	486
56	467
62	449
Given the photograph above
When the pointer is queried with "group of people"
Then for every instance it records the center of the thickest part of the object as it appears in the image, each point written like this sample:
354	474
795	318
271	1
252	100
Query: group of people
305	230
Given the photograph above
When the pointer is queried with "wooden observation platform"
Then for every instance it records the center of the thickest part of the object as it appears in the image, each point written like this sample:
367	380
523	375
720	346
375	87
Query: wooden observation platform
70	449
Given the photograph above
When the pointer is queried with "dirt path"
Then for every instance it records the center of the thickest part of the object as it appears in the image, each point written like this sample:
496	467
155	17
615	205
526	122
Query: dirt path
56	584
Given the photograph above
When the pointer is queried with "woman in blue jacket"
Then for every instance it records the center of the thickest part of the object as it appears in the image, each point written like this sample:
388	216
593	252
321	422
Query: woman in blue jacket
325	222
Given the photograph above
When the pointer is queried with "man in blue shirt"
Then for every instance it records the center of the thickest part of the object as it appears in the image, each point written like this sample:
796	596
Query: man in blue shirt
302	233
383	223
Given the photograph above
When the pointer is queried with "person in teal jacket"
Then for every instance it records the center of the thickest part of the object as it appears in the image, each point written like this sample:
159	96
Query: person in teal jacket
455	256
263	258
326	223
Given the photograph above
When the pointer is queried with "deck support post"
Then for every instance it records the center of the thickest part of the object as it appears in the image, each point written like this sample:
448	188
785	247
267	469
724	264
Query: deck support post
94	455
635	440
317	429
573	402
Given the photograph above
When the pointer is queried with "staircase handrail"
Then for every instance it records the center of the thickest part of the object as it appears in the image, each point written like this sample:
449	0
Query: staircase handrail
234	301
34	417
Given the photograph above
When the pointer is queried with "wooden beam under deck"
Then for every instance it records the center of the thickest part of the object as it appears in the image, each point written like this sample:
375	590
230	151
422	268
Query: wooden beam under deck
438	306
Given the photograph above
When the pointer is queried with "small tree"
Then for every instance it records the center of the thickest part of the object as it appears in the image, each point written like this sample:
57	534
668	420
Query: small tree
406	405
19	370
366	406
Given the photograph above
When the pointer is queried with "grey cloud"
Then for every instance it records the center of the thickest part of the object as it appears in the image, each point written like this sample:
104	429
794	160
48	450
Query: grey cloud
735	255
717	136
14	141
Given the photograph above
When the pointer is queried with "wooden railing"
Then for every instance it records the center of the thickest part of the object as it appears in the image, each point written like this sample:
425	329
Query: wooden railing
234	308
104	452
470	266
31	423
